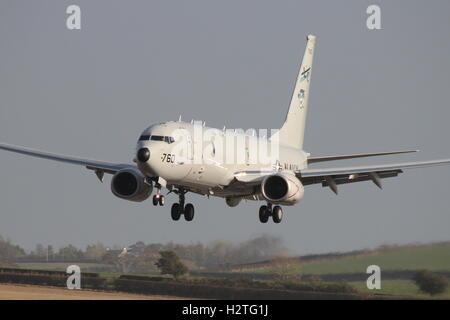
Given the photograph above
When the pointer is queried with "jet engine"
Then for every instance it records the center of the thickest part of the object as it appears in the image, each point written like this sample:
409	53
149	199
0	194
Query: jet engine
282	189
130	184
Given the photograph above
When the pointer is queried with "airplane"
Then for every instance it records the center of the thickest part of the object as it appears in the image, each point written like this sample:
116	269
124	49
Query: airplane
278	182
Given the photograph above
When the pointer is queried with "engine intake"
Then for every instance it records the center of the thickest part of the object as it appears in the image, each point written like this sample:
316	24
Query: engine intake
129	184
282	189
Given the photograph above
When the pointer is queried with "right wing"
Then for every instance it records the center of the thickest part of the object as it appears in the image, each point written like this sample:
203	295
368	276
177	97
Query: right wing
331	177
353	156
99	167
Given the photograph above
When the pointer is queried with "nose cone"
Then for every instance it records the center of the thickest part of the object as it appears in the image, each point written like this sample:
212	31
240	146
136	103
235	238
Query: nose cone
143	155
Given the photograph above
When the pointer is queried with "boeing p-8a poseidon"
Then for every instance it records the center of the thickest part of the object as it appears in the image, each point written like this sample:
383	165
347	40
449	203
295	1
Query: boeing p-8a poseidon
178	156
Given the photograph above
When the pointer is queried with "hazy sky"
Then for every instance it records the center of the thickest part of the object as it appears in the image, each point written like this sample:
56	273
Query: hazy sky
92	91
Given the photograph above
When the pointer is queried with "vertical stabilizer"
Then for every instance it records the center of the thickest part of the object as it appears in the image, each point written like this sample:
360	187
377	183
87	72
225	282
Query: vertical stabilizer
292	132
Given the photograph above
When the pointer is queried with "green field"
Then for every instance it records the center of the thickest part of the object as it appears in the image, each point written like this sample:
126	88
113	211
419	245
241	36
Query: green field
434	257
404	288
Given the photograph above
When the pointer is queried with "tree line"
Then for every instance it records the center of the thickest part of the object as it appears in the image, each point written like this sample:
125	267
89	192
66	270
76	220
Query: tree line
140	257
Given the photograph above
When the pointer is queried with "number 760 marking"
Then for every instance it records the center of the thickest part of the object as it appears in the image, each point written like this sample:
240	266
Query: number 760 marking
168	157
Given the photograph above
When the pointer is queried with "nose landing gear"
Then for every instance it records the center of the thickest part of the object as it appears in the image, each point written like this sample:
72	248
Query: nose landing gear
158	198
266	211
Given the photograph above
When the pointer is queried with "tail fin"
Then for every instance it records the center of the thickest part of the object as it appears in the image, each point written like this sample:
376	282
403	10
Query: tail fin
292	132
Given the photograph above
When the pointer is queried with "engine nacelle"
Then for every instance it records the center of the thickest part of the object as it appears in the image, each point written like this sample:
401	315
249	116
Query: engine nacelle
129	184
233	201
282	189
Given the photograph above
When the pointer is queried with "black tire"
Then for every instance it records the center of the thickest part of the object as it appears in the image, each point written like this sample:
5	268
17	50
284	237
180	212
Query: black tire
277	214
155	200
175	212
161	200
263	214
189	212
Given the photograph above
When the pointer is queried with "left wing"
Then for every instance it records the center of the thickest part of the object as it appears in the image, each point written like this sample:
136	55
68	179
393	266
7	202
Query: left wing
334	176
99	167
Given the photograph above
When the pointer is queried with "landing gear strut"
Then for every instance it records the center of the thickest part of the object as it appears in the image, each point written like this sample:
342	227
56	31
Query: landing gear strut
179	208
266	211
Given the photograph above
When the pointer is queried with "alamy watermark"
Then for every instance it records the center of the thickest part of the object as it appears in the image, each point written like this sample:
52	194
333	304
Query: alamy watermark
202	145
373	21
74	280
374	280
73	21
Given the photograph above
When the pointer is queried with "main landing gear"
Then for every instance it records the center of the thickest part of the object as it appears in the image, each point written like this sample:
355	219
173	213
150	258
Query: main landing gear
266	211
179	208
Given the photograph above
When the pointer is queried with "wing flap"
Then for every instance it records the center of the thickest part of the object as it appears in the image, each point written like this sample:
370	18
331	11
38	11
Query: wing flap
342	179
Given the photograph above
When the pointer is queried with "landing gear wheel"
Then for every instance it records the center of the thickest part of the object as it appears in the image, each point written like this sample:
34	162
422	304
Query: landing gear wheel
277	214
189	212
175	212
161	200
264	214
155	200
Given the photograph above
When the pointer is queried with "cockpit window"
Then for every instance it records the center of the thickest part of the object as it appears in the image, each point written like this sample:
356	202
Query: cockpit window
169	140
157	138
163	138
144	137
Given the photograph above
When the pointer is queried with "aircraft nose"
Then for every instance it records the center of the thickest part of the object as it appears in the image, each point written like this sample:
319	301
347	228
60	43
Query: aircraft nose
143	155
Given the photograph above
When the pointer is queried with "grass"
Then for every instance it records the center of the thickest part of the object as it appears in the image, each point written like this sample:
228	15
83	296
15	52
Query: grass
434	257
404	288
